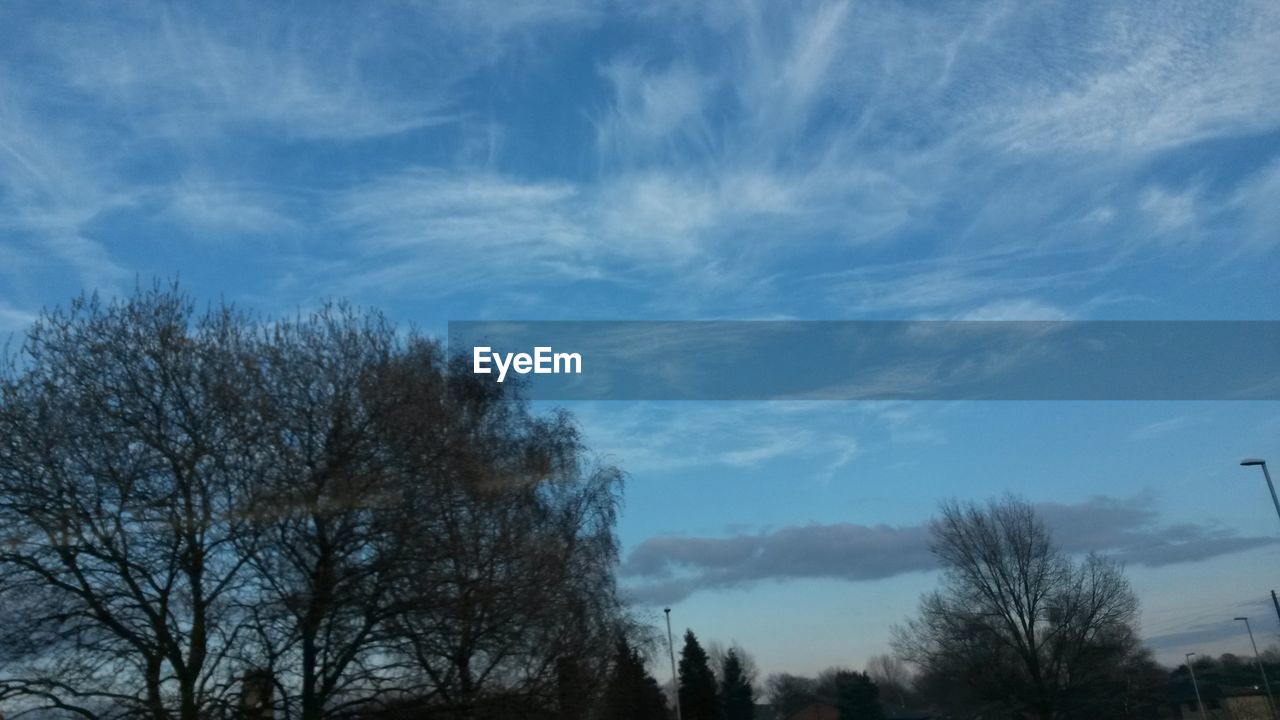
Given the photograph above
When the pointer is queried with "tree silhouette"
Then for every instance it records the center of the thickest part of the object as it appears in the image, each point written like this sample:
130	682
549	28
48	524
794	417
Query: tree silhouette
857	697
737	698
201	513
789	693
697	689
1017	623
892	676
632	693
128	450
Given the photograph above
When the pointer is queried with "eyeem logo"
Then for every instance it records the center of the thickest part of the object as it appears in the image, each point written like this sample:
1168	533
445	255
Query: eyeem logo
542	362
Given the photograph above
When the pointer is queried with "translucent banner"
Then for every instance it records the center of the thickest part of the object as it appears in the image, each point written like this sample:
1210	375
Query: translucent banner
877	360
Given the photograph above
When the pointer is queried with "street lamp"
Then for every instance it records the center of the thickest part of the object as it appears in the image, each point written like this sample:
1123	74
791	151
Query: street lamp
1250	462
1265	685
671	648
1196	687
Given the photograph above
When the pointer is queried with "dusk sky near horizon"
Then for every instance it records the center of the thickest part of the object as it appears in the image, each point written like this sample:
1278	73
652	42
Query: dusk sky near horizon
686	160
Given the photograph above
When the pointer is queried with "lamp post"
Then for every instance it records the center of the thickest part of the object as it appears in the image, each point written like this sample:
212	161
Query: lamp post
1195	686
1250	462
1265	685
671	648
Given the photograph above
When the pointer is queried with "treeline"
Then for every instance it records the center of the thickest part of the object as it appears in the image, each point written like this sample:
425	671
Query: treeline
718	683
1221	677
854	695
1018	628
711	684
206	515
1231	670
1155	692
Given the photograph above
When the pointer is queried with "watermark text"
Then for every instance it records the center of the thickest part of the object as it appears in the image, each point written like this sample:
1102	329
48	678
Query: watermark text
543	361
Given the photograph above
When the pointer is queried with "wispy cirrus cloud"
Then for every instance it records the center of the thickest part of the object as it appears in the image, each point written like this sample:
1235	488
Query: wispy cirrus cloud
980	125
220	208
13	320
748	435
50	191
1182	76
1159	429
745	158
193	119
1016	310
469	229
244	69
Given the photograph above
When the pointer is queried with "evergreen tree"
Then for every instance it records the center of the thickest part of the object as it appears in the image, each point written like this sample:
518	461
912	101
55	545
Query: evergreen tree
857	697
632	693
697	693
571	685
737	698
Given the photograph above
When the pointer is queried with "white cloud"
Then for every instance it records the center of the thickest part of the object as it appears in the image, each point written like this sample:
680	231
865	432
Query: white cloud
1100	215
659	214
459	230
740	151
1158	429
180	77
1021	309
1255	201
13	320
50	189
1186	73
653	109
227	208
944	288
494	24
1169	211
829	437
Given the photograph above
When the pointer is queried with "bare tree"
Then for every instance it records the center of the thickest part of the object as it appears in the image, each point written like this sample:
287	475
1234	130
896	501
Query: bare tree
1018	622
718	651
516	593
789	693
126	446
321	515
892	676
332	532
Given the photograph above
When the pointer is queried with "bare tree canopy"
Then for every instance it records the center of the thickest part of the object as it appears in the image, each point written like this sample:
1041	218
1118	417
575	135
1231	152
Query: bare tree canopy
1017	623
892	676
789	693
320	516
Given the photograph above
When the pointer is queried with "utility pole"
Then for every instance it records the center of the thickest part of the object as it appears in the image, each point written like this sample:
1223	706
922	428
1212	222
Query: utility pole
671	648
1275	602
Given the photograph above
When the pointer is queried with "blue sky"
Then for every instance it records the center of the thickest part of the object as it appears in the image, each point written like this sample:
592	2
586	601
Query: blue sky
737	160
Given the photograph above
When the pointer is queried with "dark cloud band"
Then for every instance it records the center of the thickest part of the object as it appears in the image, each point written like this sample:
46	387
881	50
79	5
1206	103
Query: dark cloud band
669	568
